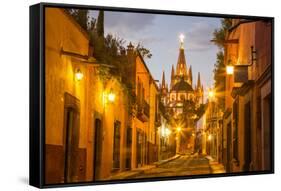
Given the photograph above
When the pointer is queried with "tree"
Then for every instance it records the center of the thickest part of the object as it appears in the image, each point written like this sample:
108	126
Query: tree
81	17
107	49
145	53
100	24
219	36
219	77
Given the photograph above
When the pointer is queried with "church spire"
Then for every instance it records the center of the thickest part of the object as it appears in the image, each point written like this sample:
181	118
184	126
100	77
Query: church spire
181	69
172	76
181	41
199	81
163	80
173	72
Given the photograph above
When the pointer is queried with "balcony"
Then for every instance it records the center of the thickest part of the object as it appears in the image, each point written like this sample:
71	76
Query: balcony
143	110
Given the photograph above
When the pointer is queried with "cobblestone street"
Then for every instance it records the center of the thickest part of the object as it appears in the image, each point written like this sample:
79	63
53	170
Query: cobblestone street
182	166
114	112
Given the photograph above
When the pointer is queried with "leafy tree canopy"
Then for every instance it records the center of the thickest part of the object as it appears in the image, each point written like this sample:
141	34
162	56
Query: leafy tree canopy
220	34
219	37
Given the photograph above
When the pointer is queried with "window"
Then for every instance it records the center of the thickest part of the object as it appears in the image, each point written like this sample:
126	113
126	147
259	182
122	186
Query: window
116	145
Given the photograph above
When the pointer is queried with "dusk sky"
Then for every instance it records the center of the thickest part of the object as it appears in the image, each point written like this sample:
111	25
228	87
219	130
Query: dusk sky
160	34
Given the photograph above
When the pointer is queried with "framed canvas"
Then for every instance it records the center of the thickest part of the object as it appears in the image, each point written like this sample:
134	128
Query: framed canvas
122	95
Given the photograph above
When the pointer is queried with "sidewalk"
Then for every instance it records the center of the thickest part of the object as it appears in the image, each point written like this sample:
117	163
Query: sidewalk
137	171
215	166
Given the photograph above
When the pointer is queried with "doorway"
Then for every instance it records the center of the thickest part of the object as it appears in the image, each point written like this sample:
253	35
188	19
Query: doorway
97	149
266	128
116	145
228	150
247	137
139	149
71	139
129	148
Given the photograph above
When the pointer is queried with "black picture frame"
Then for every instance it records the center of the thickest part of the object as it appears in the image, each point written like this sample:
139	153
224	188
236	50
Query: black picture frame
37	94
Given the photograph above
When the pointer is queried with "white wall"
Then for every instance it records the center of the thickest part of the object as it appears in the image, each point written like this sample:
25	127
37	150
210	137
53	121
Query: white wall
14	94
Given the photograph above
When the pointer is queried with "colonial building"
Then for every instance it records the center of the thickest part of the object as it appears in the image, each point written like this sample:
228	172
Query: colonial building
96	127
87	119
183	98
247	124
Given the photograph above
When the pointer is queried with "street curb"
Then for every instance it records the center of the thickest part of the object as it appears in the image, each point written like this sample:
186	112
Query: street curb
167	160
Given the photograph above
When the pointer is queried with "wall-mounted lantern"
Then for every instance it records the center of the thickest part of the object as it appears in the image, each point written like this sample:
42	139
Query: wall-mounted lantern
78	74
111	96
240	71
108	97
229	69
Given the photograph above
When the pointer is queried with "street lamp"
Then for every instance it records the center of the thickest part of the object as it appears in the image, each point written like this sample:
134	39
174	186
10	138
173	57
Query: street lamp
211	94
167	132
108	97
229	69
111	96
209	137
230	66
78	75
178	129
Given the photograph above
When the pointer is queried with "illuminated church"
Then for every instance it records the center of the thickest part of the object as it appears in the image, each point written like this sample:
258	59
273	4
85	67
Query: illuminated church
181	92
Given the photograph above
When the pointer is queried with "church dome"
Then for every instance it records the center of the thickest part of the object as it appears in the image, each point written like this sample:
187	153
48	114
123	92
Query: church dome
182	86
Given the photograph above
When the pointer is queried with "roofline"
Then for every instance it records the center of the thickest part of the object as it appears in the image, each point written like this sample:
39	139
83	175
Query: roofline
83	31
138	54
245	21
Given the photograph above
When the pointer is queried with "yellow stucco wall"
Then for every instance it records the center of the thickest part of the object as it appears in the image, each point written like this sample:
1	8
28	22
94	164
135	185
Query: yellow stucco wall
62	32
59	72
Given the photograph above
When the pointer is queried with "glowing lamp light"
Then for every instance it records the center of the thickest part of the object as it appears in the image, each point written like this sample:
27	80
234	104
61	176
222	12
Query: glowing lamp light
79	75
111	96
178	129
167	132
162	131
211	94
229	69
209	137
181	38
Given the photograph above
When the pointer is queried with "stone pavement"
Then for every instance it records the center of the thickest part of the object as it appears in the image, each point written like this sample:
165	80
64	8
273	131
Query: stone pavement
179	165
140	170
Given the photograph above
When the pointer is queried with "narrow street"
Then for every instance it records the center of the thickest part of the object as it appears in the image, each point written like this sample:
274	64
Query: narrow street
114	113
182	166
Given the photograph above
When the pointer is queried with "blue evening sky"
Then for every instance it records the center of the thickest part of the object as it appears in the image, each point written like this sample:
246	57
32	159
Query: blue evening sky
160	34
